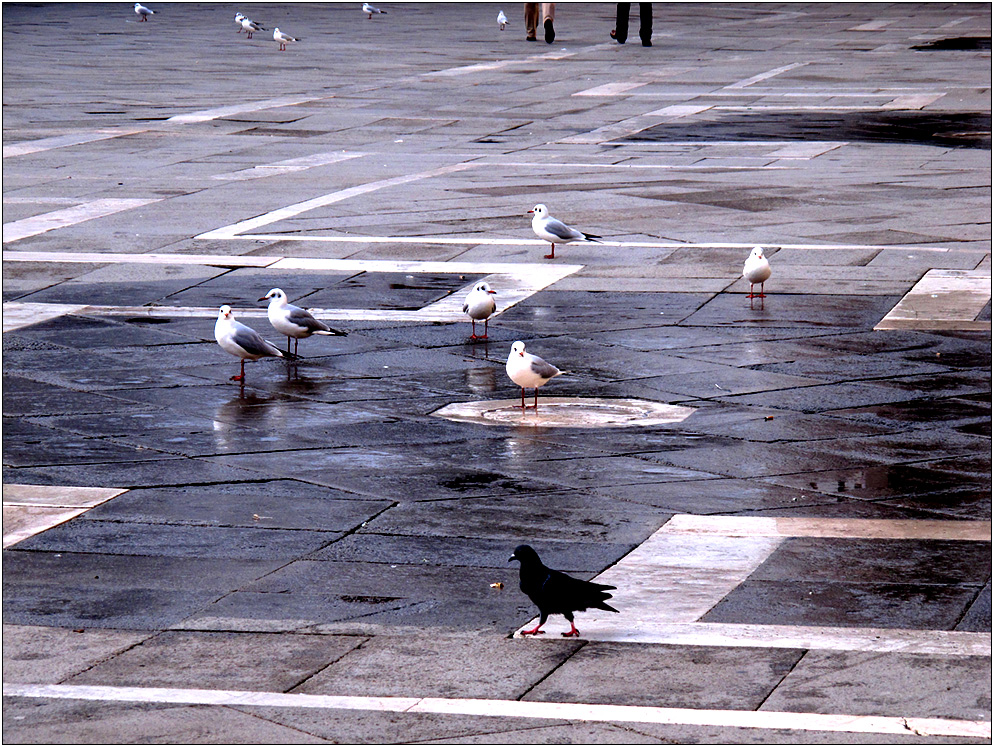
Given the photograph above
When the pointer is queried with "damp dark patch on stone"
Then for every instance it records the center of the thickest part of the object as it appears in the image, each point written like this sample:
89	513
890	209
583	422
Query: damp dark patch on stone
941	129
957	44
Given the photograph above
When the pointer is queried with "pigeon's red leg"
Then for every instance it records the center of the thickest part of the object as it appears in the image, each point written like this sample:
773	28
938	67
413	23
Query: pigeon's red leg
573	632
534	631
551	255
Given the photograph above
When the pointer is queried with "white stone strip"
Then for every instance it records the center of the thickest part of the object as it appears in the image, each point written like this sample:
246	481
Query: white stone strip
31	509
878	25
65	141
207	115
641	628
484	67
288	166
763	526
215	260
513	283
765	76
17	314
613	89
231	231
943	299
915	101
680	110
21	229
516	709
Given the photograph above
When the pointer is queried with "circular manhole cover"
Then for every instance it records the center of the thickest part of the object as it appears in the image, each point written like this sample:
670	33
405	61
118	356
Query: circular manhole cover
567	412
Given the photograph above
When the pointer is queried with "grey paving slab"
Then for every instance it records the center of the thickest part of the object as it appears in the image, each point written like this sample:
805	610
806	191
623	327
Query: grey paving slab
220	661
500	669
45	654
945	687
91	722
669	676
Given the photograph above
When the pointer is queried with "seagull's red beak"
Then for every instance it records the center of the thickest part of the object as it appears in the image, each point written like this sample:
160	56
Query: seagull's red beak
522	353
492	292
531	211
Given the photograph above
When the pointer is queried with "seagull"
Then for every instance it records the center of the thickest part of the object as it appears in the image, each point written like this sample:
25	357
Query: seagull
528	371
239	17
555	231
237	339
371	9
251	26
283	38
501	19
555	593
756	270
144	12
294	321
480	305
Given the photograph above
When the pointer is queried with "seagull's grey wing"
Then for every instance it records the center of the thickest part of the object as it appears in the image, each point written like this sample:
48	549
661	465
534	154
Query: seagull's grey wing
561	230
543	369
251	341
304	318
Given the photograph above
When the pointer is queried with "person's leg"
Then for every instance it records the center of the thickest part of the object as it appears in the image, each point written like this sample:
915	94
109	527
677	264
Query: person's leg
531	20
548	16
621	25
645	24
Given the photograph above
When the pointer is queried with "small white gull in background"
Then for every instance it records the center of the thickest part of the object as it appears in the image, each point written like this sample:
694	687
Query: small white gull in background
143	12
501	19
239	17
480	304
294	321
251	26
283	39
370	10
528	371
555	231
239	340
756	270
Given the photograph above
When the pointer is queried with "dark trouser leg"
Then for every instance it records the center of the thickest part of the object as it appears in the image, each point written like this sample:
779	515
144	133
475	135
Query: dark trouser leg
645	23
621	24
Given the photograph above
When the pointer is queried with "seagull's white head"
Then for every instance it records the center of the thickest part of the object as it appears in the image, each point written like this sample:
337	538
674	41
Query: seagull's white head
757	252
277	31
238	17
225	312
540	210
519	348
484	288
276	293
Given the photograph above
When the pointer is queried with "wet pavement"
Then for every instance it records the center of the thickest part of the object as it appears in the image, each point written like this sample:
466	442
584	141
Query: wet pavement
320	555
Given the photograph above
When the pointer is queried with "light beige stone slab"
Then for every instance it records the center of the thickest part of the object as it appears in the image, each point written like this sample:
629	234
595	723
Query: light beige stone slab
942	299
31	509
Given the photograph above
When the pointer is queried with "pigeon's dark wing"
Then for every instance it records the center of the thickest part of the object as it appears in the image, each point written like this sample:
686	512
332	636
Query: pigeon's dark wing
561	594
305	319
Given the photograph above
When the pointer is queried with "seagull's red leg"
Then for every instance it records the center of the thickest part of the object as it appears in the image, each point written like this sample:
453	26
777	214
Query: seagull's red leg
761	287
534	631
486	327
536	398
296	342
573	632
522	399
551	255
473	336
241	376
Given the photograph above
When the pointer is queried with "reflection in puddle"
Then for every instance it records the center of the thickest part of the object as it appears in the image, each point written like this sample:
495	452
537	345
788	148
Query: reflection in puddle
481	380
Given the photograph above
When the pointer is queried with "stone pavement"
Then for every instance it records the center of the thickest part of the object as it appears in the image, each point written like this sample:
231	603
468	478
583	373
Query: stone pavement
801	557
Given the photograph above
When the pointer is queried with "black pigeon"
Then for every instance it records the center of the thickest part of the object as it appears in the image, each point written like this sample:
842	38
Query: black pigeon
555	593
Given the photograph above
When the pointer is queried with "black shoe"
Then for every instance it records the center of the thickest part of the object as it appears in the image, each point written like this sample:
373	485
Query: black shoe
530	39
550	33
646	43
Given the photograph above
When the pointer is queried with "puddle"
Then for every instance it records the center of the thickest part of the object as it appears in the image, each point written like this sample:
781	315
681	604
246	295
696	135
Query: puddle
942	129
957	44
566	412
